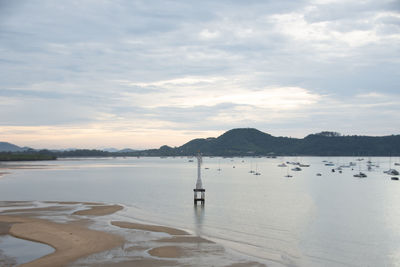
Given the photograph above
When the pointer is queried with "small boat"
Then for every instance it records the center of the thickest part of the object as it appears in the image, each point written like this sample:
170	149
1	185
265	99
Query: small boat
392	172
397	164
297	169
287	173
256	172
395	178
329	164
282	165
304	165
190	160
319	174
360	175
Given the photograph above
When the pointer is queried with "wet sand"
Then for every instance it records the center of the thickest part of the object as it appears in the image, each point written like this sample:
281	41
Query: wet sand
77	245
151	228
99	210
185	239
69	241
167	252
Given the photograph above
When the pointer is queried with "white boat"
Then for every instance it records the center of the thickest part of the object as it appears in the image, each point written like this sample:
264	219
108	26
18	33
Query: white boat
251	167
360	175
256	172
304	165
287	173
392	172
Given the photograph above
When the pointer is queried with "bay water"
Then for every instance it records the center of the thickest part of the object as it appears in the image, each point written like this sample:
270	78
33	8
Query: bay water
306	220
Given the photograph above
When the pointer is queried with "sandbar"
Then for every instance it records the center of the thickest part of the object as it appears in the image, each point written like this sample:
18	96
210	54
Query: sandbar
147	227
167	252
73	203
34	210
142	262
78	246
70	241
99	210
185	239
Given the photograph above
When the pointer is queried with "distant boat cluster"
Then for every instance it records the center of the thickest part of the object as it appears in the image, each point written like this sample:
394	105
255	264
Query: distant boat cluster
295	166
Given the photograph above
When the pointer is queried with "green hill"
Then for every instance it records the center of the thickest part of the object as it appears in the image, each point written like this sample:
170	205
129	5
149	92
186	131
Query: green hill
249	141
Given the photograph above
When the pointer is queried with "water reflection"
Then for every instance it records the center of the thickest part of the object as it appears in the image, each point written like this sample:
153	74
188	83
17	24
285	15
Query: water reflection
198	213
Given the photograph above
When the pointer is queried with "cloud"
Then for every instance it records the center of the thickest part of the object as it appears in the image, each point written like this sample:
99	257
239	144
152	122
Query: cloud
132	68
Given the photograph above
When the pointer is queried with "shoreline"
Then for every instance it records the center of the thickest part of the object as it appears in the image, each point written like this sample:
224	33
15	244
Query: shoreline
78	239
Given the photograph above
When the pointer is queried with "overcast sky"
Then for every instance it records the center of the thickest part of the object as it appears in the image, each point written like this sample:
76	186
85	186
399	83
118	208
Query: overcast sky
141	74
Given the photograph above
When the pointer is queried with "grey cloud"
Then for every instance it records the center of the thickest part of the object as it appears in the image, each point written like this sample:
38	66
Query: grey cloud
79	51
39	112
349	10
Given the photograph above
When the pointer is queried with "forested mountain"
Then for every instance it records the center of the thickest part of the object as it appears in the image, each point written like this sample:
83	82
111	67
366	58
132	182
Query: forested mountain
252	142
249	141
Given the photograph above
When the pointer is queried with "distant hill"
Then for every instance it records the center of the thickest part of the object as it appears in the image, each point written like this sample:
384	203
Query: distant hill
126	150
8	147
252	142
109	149
11	152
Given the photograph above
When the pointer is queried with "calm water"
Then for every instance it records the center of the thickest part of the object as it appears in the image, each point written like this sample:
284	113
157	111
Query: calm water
308	220
21	251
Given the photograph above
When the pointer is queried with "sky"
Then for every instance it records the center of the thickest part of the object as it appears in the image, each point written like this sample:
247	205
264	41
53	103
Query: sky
141	74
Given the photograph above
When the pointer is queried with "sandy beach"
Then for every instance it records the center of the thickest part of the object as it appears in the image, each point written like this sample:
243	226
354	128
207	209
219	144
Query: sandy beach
70	228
